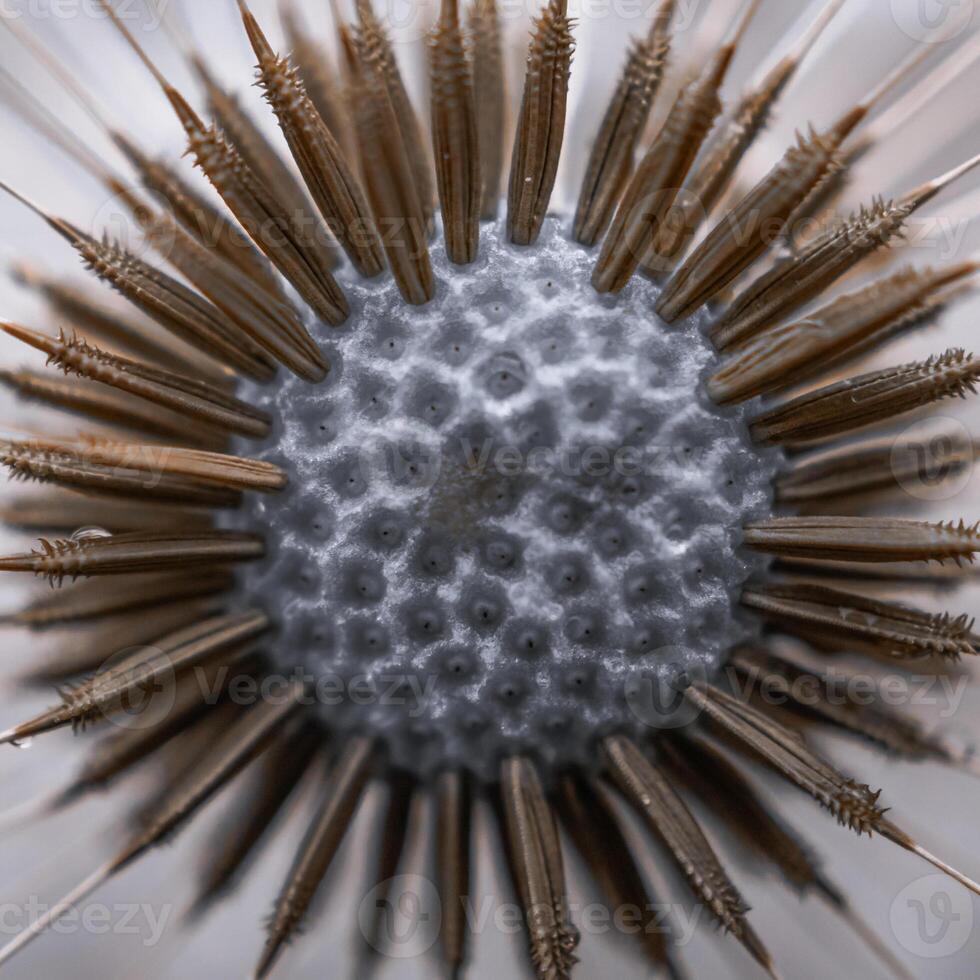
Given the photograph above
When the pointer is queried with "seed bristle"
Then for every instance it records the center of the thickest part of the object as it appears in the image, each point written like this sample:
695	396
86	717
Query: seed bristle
611	158
540	124
538	870
648	788
348	778
713	173
329	179
658	179
867	399
490	99
864	539
455	136
857	321
133	553
187	396
453	861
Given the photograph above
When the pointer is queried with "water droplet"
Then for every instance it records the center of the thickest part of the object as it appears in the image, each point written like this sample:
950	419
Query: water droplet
90	533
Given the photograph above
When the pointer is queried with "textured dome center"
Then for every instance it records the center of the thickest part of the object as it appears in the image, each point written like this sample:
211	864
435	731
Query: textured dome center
509	510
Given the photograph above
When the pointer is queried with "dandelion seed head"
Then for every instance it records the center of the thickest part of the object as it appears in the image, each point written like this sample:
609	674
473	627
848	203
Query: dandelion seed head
511	500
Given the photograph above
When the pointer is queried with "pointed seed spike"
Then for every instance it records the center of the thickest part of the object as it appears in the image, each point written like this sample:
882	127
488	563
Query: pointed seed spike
126	554
541	123
453	860
864	539
867	399
538	869
783	750
848	618
347	781
186	396
316	152
793	352
658	179
490	100
593	825
455	136
390	181
611	159
284	768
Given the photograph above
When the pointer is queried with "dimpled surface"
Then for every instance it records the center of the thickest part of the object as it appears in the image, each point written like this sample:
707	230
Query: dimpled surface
509	510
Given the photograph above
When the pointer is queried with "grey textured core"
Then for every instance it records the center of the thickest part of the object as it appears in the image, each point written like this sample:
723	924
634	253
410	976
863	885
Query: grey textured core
510	511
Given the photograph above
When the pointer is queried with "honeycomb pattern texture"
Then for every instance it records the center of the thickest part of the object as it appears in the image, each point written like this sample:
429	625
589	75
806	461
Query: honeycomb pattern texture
511	511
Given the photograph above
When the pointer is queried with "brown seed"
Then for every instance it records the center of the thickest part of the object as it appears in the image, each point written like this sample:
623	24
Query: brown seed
98	600
83	308
875	468
611	159
764	214
186	396
390	178
741	806
713	174
794	352
659	177
134	553
118	685
854	804
274	781
453	847
864	539
847	618
317	154
648	789
541	123
79	468
112	408
801	277
867	399
454	136
237	746
319	78
210	227
490	95
536	862
291	238
347	781
64	511
378	56
590	819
